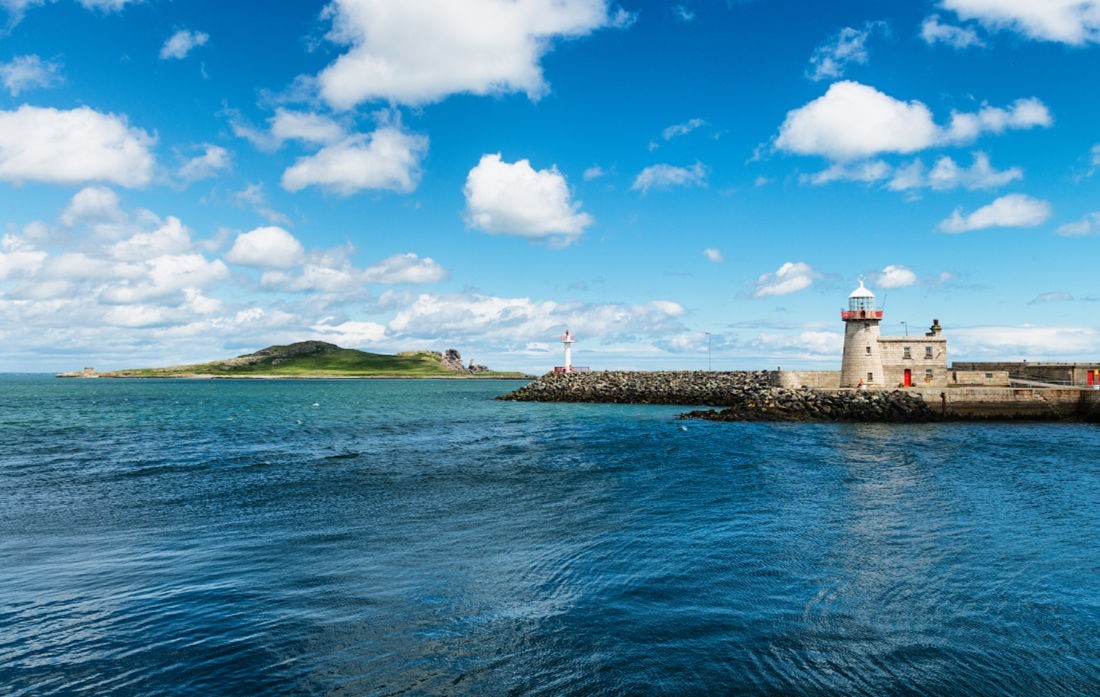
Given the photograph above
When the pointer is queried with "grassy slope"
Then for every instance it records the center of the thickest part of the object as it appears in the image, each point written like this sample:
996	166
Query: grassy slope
339	362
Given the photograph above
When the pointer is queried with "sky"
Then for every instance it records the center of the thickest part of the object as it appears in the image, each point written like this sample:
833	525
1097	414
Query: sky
681	184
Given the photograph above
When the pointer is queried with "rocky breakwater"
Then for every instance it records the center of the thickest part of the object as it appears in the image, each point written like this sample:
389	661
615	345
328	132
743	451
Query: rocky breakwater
782	404
638	387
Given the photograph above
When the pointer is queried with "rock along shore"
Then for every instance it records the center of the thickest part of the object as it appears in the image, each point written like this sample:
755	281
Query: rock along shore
746	396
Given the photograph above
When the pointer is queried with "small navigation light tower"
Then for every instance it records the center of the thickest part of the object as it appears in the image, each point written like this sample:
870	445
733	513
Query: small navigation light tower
567	339
862	361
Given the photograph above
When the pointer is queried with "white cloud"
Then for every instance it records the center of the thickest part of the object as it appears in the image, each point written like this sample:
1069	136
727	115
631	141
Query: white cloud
405	268
1022	115
933	31
93	205
516	199
1052	297
180	44
214	159
24	73
476	46
867	171
682	129
171	238
18	257
806	344
664	176
388	159
714	255
108	5
683	13
305	126
896	276
1089	225
1073	22
253	196
266	248
847	47
1013	210
1024	342
593	172
517	321
790	278
72	147
853	121
947	175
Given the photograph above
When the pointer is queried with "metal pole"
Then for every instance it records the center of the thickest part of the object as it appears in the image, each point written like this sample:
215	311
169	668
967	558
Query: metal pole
906	325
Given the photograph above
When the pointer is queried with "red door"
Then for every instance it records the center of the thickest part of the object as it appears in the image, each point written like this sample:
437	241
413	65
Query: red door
1092	376
908	378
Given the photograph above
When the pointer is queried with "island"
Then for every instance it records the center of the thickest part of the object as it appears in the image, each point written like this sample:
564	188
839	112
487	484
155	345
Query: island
317	359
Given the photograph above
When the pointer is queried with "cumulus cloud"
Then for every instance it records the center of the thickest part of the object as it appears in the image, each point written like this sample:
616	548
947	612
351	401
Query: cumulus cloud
305	126
947	175
896	276
170	238
254	197
714	255
213	160
388	159
791	277
847	47
665	176
477	47
93	205
853	121
933	31
180	44
24	73
405	268
73	146
1073	22
516	199
1013	210
1089	225
266	248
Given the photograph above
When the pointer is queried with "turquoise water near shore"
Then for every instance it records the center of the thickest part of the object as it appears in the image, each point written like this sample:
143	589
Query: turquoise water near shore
416	537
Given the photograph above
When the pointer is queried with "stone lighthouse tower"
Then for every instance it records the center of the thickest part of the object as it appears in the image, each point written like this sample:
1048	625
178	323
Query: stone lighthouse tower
862	361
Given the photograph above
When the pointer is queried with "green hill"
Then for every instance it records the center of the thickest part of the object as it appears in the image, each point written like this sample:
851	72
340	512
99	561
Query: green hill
319	359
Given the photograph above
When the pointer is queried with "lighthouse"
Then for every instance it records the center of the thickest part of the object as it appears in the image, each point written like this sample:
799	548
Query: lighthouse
862	360
567	340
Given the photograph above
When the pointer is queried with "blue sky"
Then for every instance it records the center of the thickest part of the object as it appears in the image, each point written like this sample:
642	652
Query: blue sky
182	181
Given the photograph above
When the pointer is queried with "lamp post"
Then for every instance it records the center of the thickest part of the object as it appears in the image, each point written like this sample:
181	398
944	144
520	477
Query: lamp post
906	325
708	351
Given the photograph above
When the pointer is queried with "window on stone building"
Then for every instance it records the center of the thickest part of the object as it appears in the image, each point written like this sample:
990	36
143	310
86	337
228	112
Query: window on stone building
927	351
928	375
870	377
868	350
906	353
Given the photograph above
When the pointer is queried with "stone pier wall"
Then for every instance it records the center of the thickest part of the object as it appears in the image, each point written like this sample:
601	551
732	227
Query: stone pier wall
764	396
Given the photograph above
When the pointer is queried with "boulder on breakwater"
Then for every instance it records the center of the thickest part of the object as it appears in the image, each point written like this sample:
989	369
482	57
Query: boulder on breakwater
684	387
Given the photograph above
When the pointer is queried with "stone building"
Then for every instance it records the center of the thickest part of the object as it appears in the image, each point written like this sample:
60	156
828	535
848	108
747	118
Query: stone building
881	362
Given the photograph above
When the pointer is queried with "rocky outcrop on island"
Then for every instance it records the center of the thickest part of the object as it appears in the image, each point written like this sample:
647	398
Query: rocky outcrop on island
644	387
451	359
783	404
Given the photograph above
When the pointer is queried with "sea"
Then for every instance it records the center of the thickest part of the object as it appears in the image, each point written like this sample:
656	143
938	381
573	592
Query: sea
417	537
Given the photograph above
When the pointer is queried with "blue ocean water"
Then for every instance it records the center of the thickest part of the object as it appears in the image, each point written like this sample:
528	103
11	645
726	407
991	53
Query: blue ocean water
398	537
